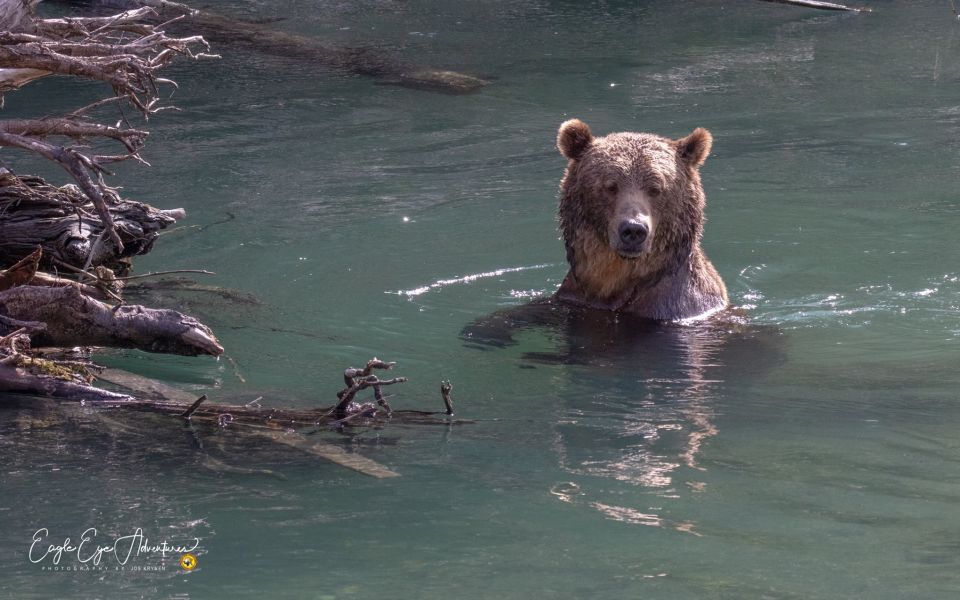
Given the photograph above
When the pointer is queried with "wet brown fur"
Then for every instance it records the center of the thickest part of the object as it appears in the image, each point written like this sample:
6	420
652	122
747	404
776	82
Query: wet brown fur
672	279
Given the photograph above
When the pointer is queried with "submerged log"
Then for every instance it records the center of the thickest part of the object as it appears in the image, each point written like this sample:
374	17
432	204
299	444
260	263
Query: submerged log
285	426
366	60
157	397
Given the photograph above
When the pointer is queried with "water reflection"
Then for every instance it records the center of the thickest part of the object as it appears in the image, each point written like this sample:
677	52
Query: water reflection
641	400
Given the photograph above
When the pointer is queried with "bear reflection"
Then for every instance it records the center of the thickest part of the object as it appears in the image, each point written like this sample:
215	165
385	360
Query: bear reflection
641	397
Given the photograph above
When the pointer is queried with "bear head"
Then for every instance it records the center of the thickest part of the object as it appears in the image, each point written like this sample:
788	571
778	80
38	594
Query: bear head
631	205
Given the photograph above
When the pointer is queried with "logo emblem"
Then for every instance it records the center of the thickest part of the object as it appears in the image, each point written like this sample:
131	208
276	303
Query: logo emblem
188	562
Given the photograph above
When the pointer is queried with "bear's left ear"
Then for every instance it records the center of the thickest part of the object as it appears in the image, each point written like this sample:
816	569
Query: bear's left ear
694	148
574	138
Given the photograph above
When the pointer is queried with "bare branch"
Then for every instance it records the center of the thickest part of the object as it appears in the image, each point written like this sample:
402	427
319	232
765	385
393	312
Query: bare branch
100	49
132	139
79	167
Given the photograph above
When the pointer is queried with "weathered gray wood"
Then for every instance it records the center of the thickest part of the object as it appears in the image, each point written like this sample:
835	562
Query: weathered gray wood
64	222
26	381
14	15
177	400
73	319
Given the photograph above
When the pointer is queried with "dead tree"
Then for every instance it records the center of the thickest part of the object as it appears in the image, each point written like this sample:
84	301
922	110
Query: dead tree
67	243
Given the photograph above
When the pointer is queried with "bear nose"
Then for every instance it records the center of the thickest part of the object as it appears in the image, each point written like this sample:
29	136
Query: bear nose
633	233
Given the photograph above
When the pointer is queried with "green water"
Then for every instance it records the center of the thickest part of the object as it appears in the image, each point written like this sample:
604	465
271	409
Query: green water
817	460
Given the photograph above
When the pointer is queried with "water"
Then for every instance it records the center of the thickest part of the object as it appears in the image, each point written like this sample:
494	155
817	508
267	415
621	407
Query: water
815	459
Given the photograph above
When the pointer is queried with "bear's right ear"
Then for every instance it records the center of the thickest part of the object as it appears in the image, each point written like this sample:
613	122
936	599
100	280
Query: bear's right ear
574	138
695	148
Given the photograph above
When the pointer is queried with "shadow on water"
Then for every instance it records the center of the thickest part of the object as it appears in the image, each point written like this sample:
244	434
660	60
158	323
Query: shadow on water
641	398
585	336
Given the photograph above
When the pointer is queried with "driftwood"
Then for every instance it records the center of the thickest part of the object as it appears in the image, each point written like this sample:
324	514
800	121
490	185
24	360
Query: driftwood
66	245
819	5
295	428
73	319
237	415
289	427
121	50
64	222
68	248
28	377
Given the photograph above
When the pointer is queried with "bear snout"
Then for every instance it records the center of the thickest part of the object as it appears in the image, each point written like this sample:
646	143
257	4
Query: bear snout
632	234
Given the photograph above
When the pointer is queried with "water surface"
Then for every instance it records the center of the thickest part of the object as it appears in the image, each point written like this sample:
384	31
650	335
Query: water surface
815	460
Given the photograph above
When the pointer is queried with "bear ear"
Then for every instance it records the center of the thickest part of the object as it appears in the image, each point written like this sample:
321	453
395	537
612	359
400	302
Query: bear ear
694	148
574	138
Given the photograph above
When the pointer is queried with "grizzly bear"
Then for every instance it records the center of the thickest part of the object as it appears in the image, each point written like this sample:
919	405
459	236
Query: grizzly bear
631	214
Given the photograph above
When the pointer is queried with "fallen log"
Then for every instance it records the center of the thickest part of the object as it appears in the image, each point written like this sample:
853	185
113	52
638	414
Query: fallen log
64	222
28	377
289	427
73	319
157	397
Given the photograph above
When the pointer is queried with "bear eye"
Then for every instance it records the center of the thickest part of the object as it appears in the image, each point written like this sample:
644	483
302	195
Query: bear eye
611	187
654	190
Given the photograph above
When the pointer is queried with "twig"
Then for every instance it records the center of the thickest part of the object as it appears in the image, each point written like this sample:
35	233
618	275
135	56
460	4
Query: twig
445	388
236	369
99	282
193	407
347	394
351	374
155	273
